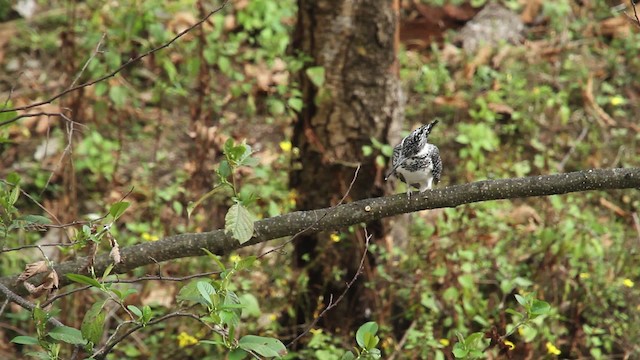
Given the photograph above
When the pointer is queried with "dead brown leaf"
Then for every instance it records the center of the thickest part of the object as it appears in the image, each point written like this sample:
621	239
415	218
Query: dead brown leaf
456	100
33	269
500	108
613	207
590	103
531	11
619	27
482	57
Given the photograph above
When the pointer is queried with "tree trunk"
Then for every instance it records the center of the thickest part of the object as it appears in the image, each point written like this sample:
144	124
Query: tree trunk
359	98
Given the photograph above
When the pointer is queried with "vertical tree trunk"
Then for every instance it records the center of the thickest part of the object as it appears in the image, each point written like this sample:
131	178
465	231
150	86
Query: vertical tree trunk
355	42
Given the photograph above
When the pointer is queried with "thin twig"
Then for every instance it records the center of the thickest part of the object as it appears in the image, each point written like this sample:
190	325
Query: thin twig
277	248
332	304
116	71
566	157
635	12
86	64
24	303
113	340
130	281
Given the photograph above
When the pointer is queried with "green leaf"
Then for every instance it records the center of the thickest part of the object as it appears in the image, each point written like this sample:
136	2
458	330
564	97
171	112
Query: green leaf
206	290
193	205
215	258
245	263
348	356
146	314
459	350
316	75
224	169
295	103
539	307
135	310
264	346
84	280
521	300
118	94
68	335
250	305
239	223
236	354
35	219
93	323
25	340
15	193
370	327
118	209
13	178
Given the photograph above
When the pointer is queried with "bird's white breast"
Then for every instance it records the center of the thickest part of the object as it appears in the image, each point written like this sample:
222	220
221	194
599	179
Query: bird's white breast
423	177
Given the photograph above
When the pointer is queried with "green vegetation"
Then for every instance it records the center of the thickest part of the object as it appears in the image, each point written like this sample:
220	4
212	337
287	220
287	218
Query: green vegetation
541	277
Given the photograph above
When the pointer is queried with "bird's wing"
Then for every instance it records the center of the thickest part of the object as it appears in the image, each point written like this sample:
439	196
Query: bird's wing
437	163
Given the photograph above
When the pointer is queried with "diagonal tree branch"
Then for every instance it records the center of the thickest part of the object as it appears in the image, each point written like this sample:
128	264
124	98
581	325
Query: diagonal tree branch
218	242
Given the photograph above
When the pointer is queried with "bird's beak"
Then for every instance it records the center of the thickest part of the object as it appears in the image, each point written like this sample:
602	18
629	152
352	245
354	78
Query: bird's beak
386	177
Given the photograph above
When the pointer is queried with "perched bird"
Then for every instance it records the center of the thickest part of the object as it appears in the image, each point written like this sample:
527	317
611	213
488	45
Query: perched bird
415	161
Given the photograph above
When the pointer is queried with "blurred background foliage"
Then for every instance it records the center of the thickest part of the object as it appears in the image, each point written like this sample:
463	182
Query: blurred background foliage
563	98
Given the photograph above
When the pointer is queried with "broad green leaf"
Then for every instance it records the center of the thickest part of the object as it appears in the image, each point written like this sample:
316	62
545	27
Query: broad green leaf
245	263
118	94
13	178
68	335
239	223
250	305
224	169
236	354
316	75
118	209
25	340
459	350
35	219
348	356
370	327
206	290
264	346
82	279
135	310
15	193
521	300
93	323
539	307
191	293
295	103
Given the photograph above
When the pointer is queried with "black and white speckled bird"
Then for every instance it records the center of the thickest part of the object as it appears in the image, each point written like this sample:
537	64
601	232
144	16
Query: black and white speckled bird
415	161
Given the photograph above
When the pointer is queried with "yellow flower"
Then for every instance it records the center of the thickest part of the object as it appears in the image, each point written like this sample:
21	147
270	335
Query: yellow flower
148	237
185	339
628	283
510	344
335	237
444	342
315	331
616	100
234	258
273	317
552	349
285	146
585	275
293	197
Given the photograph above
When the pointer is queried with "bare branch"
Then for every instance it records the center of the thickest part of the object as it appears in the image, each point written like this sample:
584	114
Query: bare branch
114	72
331	303
277	248
24	303
362	211
114	340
